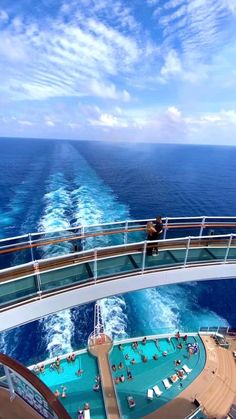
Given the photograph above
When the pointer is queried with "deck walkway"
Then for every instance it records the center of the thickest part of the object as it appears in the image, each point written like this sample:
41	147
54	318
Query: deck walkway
214	388
15	409
101	351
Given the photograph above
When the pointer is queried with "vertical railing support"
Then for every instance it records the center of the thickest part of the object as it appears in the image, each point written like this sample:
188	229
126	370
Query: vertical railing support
31	248
38	279
202	226
82	240
9	382
125	234
228	248
165	229
144	255
95	266
187	250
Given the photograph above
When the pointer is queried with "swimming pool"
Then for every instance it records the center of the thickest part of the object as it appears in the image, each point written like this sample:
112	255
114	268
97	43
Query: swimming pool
148	374
79	389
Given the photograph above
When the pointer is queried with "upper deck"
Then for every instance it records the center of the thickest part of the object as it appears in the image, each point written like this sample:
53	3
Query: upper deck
75	266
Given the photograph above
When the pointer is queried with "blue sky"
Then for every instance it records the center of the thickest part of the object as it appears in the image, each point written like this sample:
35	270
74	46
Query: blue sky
137	70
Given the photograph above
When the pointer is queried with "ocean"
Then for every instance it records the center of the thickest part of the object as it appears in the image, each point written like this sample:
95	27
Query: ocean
47	184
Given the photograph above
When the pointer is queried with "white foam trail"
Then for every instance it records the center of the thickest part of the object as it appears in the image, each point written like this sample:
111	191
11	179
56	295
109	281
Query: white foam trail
58	327
114	317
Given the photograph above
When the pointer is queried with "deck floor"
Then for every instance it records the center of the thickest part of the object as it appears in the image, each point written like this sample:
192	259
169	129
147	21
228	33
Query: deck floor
101	351
214	388
15	409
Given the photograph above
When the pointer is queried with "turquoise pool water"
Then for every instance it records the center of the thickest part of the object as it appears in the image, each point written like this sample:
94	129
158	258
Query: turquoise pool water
148	374
149	349
145	376
79	388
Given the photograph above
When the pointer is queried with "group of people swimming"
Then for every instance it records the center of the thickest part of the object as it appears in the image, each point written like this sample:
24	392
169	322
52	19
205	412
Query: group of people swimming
153	233
63	392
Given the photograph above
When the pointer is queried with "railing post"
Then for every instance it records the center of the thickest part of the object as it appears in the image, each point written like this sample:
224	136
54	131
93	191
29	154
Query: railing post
82	240
144	255
9	382
31	249
95	266
202	226
228	248
125	234
187	249
165	229
38	279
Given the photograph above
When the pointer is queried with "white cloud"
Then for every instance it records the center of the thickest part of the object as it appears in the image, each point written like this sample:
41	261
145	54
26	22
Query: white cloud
50	123
107	120
172	65
27	123
3	16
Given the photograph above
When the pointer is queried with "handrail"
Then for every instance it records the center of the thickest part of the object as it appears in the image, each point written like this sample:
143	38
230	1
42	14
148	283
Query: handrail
52	400
30	244
69	229
104	252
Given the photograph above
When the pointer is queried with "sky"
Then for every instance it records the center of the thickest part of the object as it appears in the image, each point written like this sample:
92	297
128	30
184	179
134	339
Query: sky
119	70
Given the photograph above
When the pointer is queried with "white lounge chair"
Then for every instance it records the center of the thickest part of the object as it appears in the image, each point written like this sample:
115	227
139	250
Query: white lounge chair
166	383
86	414
157	391
150	394
186	369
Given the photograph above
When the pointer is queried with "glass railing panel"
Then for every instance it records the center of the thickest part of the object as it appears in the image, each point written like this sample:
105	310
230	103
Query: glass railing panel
13	291
165	257
232	250
65	277
223	330
199	255
27	392
116	265
213	329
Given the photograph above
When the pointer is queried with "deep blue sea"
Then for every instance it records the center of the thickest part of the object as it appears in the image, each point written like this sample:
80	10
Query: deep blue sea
45	184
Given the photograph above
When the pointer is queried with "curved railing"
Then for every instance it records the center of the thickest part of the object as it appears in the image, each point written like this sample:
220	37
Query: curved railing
43	245
40	279
21	381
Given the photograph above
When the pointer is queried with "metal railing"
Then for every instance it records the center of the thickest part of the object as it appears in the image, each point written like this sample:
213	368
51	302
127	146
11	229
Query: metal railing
40	245
22	382
42	277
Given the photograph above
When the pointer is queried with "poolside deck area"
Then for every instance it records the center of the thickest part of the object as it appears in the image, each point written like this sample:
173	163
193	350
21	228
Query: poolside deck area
211	381
214	388
101	352
150	373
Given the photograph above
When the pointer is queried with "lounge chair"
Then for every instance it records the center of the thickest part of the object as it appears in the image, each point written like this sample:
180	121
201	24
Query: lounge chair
150	394
186	369
86	413
131	402
166	383
157	391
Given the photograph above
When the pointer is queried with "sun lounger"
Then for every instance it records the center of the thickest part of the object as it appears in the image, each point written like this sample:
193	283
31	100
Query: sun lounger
166	383
131	402
150	394
186	369
86	414
157	391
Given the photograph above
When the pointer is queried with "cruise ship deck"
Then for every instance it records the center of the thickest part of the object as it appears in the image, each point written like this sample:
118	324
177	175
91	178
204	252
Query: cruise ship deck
136	377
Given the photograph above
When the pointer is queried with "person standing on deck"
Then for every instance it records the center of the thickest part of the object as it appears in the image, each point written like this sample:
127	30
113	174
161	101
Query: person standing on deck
159	229
151	235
